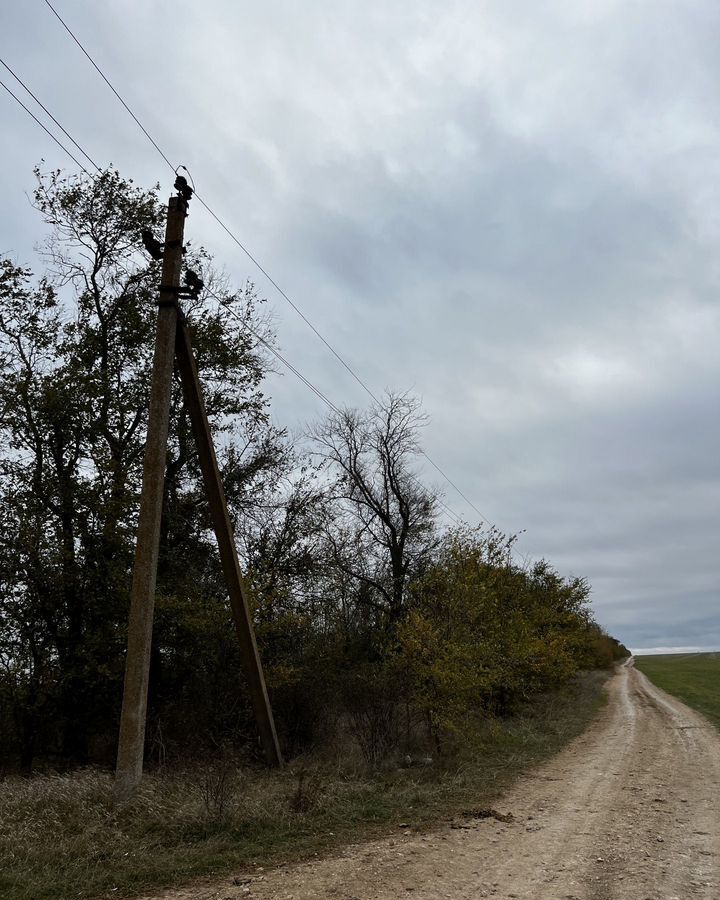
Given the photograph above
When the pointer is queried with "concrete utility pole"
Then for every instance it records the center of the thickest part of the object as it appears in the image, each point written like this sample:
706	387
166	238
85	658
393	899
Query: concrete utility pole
131	744
173	339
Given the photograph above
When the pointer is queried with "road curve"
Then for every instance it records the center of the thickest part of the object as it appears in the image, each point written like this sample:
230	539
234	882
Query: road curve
630	810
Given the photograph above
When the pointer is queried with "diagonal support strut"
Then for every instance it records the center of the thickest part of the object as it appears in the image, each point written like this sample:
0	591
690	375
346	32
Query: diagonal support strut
226	544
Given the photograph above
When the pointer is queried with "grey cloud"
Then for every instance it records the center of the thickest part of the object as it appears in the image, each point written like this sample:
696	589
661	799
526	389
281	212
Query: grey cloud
511	208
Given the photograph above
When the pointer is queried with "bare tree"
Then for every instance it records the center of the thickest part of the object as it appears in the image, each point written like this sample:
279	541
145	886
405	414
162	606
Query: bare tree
386	516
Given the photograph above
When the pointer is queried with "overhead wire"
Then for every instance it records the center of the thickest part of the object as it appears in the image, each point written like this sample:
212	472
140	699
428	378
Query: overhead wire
275	352
253	259
357	378
107	82
249	255
206	206
282	293
48	113
44	128
452	484
352	372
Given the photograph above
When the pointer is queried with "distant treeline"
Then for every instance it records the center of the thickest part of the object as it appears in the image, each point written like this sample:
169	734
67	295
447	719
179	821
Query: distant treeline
375	623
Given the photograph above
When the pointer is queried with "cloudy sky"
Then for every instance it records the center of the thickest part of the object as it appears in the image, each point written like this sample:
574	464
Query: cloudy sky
510	208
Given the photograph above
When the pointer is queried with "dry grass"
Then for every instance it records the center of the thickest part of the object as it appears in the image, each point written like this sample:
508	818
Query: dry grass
60	836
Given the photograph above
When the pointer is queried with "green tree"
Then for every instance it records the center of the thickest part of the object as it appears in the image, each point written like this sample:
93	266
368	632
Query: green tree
484	634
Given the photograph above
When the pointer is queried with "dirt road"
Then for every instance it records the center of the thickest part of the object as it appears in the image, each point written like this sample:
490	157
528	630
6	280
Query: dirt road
630	809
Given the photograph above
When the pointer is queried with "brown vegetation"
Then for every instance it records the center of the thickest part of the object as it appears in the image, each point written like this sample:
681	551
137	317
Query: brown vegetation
60	837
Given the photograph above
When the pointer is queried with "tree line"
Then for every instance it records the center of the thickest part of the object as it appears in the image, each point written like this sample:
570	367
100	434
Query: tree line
375	623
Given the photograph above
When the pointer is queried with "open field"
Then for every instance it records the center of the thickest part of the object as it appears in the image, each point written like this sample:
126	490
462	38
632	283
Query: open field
60	836
693	677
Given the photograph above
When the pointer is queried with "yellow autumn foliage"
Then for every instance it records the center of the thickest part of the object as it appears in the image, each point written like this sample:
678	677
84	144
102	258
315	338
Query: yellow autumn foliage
483	634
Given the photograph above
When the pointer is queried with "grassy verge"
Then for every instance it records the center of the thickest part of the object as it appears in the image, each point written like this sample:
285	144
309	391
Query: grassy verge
60	836
693	677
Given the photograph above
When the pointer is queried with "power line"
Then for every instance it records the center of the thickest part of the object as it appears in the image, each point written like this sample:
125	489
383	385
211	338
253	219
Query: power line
452	483
48	113
282	293
450	512
46	130
107	82
276	353
357	378
247	252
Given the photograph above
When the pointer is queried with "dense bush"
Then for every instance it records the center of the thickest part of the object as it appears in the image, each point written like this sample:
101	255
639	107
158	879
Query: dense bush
483	635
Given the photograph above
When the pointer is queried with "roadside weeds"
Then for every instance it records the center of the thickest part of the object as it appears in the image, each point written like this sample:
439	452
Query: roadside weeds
61	838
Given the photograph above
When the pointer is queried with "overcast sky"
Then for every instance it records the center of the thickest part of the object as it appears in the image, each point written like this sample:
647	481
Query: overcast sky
509	208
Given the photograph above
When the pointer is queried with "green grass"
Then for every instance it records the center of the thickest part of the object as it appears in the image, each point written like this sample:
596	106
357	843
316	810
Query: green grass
60	836
693	677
